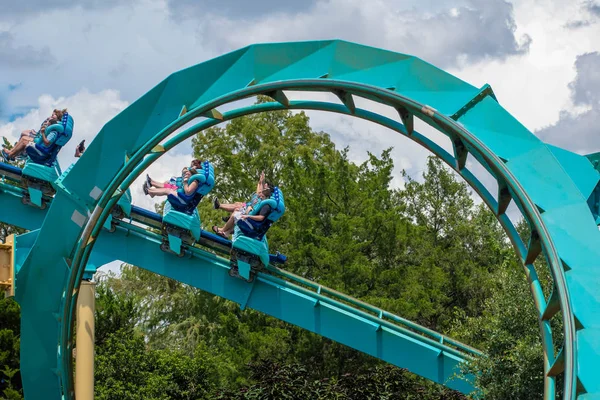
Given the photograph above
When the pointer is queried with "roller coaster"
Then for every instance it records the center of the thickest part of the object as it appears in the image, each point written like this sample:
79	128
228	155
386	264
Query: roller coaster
557	192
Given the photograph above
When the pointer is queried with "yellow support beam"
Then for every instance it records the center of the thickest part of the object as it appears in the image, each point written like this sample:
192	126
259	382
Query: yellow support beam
214	114
7	266
183	111
86	331
159	148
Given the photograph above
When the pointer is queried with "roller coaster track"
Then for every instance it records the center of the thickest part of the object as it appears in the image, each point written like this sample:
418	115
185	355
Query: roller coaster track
557	192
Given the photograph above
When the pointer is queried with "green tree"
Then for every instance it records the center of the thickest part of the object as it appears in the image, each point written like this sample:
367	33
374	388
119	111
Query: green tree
292	381
508	333
10	328
126	368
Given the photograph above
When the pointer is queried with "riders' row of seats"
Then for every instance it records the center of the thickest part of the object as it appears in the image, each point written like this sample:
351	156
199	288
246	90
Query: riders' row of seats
187	203
41	168
43	154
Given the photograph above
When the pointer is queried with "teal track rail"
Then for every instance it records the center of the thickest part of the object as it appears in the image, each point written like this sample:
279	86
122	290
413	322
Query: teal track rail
556	191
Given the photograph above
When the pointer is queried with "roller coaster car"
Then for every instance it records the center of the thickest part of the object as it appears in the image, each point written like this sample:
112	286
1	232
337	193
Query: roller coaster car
181	222
42	168
39	179
178	229
250	248
120	210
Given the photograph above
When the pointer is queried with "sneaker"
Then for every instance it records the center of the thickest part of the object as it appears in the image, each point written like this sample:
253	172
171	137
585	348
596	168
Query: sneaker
216	203
145	188
148	180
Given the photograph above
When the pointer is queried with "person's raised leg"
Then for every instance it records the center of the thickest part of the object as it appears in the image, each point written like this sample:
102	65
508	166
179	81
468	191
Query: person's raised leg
160	192
229	207
152	183
19	147
227	229
28	133
156	184
230	225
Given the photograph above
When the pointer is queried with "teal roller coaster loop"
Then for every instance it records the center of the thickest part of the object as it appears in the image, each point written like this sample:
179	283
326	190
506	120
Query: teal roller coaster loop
549	185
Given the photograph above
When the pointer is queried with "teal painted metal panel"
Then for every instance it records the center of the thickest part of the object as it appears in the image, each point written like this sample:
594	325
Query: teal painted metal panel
501	132
240	74
314	65
42	279
581	171
540	174
23	245
14	212
350	57
576	250
35	195
270	59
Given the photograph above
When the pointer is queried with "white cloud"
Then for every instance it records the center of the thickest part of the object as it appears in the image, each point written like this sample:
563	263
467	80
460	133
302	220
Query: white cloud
20	9
131	48
133	45
535	88
468	30
182	9
27	57
578	130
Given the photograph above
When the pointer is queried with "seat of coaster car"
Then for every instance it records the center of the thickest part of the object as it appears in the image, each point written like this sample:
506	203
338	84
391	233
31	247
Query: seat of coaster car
250	255
179	228
40	153
181	221
39	180
42	169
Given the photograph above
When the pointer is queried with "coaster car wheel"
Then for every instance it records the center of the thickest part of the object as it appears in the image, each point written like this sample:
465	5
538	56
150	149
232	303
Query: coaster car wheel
252	276
233	269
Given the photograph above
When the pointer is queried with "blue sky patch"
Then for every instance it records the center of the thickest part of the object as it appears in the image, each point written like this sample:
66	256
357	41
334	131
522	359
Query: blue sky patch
14	86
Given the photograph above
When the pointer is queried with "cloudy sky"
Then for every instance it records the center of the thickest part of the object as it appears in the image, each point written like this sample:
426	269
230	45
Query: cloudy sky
95	57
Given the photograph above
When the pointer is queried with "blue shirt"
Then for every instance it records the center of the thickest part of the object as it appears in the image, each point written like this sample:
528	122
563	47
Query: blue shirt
51	137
